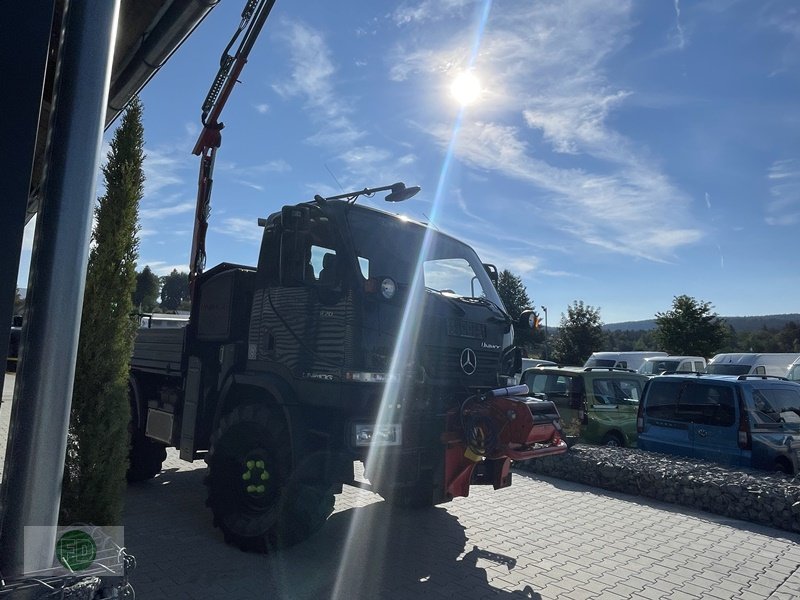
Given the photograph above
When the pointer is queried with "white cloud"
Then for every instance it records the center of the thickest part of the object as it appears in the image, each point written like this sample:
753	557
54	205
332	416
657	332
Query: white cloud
262	108
245	230
161	268
546	65
428	10
161	212
164	167
783	206
314	80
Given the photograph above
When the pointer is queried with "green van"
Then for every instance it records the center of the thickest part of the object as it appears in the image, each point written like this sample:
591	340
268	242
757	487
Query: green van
597	405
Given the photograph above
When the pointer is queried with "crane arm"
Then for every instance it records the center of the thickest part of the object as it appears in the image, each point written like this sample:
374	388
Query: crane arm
254	16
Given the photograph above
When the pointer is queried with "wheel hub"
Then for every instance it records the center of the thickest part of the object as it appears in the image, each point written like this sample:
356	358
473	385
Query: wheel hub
255	477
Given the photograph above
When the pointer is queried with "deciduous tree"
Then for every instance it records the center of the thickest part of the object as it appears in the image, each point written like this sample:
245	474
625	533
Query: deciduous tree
97	449
174	289
515	298
580	333
690	328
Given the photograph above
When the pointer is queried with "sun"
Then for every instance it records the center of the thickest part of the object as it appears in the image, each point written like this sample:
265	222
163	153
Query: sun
466	88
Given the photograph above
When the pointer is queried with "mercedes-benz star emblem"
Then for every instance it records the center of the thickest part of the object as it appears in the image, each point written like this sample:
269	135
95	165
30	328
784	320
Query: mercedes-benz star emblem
469	362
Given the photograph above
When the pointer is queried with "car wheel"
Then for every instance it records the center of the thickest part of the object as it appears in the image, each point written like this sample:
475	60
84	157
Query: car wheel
613	440
782	466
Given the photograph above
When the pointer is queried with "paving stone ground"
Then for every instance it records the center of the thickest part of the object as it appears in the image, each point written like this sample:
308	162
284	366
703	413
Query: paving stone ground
540	539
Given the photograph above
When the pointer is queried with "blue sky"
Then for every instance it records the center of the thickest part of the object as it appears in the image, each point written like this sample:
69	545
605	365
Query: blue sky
619	153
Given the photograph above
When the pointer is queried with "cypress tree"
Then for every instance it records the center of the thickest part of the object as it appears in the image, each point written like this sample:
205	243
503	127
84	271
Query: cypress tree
97	450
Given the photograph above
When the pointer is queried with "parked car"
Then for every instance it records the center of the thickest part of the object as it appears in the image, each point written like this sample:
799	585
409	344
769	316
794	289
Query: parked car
793	374
597	404
739	421
622	360
745	363
658	365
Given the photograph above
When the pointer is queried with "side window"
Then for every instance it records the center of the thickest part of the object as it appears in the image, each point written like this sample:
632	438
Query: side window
760	370
698	366
603	394
325	266
718	407
708	405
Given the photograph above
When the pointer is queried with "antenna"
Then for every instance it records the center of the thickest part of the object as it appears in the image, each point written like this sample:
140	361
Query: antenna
334	176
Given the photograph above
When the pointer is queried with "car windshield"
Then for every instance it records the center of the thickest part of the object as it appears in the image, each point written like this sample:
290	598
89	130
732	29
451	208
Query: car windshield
601	362
776	406
727	369
656	367
388	246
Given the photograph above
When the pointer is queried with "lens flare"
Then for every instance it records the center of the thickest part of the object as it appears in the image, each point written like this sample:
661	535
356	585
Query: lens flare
466	88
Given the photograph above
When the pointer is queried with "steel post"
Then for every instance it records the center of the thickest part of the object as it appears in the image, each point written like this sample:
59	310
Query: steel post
43	394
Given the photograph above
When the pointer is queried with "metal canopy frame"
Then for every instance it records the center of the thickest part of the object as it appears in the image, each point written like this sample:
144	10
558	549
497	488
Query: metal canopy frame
55	105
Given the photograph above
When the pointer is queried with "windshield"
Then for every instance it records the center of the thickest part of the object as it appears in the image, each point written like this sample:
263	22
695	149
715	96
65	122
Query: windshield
388	246
727	369
656	367
600	362
776	405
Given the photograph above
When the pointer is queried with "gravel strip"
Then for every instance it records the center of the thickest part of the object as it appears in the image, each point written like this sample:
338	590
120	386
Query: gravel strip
746	494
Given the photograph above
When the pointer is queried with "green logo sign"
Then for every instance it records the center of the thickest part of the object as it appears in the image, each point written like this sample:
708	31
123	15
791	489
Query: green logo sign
76	550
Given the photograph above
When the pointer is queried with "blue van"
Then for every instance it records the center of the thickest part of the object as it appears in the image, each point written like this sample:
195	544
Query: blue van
744	421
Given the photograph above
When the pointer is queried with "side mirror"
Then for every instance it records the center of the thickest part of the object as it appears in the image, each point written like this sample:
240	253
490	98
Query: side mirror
528	320
511	362
293	258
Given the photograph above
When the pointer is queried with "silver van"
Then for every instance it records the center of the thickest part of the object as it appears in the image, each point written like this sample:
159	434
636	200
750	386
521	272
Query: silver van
658	365
749	363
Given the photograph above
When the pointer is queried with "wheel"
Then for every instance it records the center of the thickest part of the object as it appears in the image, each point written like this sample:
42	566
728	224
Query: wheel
251	492
613	440
782	466
144	458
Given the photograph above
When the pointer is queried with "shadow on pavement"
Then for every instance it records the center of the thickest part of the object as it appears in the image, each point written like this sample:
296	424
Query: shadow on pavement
371	551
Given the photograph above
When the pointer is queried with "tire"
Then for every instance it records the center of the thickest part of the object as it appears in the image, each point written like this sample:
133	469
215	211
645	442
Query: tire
613	440
251	492
782	466
145	458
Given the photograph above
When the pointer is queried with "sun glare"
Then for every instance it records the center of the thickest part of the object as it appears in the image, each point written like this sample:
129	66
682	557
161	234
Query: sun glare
465	88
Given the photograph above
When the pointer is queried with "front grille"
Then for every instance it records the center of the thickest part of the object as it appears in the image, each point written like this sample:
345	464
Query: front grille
445	363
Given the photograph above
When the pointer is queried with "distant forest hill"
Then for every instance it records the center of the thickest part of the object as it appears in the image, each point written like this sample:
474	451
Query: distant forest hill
739	324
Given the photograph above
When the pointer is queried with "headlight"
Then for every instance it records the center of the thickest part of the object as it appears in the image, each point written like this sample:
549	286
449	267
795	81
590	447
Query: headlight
365	434
388	288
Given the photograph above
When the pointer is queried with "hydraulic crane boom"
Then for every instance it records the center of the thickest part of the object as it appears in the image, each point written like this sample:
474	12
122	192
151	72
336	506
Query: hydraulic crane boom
254	16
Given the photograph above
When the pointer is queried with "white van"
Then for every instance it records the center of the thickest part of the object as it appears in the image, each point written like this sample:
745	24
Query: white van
622	360
657	365
793	374
748	363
